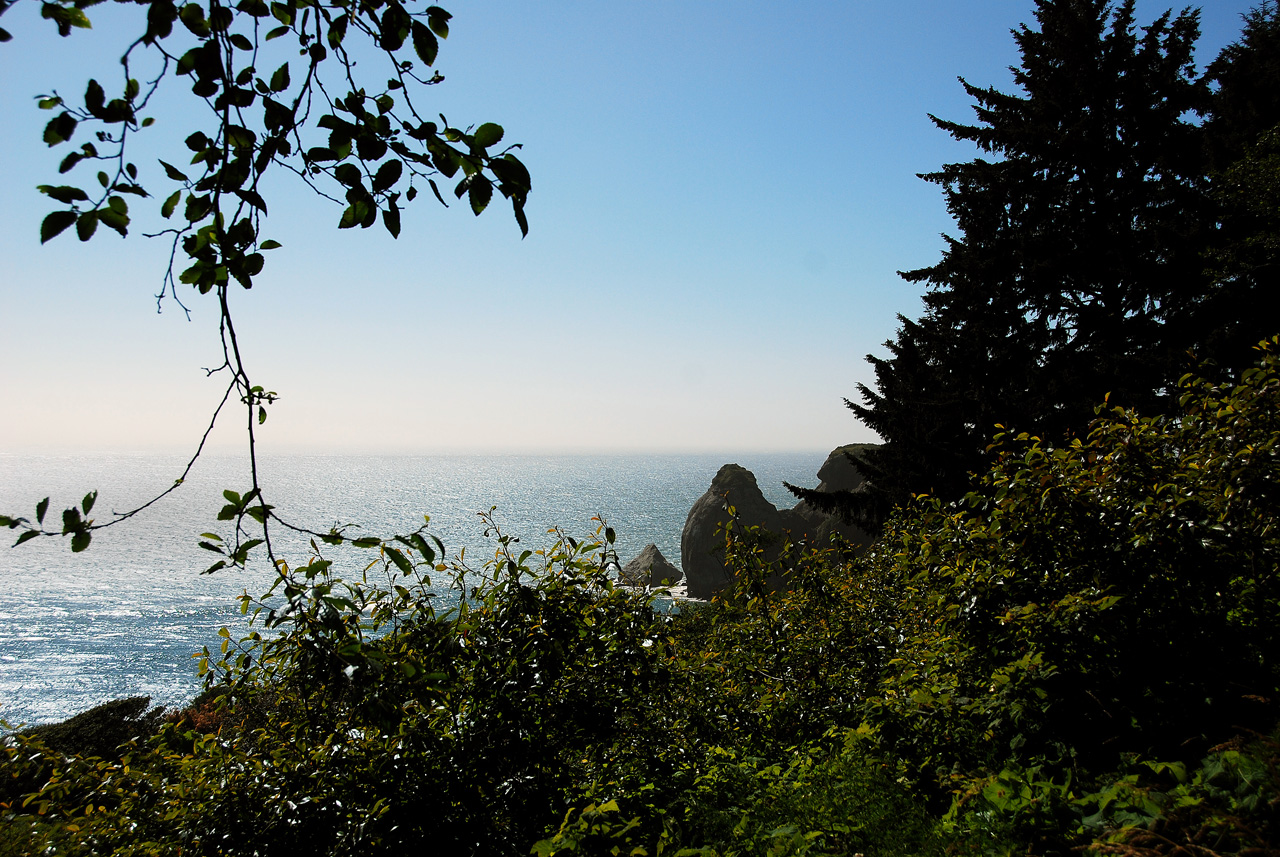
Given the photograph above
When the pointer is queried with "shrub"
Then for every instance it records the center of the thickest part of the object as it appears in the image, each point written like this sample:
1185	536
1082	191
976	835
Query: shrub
1113	596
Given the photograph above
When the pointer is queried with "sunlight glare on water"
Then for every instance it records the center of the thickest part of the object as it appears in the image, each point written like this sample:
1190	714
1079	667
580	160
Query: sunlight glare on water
124	617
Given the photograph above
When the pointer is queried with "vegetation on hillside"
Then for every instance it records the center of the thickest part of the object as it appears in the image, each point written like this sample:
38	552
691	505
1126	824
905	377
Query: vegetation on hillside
1073	649
1082	652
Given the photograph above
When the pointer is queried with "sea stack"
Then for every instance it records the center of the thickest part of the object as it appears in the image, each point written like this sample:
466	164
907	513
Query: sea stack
702	543
649	568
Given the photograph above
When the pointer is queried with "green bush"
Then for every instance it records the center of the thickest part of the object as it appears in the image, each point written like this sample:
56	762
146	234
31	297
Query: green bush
1114	596
821	799
1041	667
102	729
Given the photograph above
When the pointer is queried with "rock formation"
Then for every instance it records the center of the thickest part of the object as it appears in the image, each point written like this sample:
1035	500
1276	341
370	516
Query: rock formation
837	473
649	568
702	543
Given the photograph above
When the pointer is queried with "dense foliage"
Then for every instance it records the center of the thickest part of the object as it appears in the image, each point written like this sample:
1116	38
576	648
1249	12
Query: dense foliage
1067	656
1103	234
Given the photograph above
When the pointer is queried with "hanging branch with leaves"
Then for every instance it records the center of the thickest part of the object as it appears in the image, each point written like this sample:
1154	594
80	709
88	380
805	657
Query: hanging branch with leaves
283	94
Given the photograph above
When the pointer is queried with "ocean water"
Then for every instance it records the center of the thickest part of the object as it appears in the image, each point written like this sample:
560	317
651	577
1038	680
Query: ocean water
125	617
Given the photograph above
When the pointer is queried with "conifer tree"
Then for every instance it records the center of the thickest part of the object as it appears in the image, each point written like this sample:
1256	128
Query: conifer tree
1081	227
1242	135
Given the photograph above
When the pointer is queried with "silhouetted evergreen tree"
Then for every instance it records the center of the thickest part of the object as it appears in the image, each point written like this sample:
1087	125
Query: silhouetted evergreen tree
1242	134
1246	103
1081	230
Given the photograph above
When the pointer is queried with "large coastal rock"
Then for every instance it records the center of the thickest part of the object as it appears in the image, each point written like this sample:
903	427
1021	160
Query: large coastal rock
649	568
837	473
702	543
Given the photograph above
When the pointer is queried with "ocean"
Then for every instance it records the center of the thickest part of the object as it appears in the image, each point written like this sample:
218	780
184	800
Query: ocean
124	617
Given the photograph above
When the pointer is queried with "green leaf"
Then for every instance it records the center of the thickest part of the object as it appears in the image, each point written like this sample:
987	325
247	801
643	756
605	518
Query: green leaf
94	97
173	172
239	137
479	193
59	129
192	17
276	33
423	548
68	17
241	42
55	223
366	542
348	174
220	18
488	134
269	244
89	500
253	198
337	30
280	79
399	559
86	225
424	43
391	220
438	19
114	220
26	537
170	204
63	193
386	177
514	173
396	25
518	207
41	508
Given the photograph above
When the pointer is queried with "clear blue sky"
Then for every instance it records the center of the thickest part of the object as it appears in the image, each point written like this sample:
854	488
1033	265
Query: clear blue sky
723	193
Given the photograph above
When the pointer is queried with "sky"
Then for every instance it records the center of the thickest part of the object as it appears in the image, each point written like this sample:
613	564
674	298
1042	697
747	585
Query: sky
723	193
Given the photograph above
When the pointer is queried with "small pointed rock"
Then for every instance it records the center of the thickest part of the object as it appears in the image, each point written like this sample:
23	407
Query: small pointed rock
650	568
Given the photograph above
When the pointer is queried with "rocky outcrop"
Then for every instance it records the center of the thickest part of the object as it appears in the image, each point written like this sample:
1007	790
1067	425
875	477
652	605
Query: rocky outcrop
649	568
702	543
837	473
